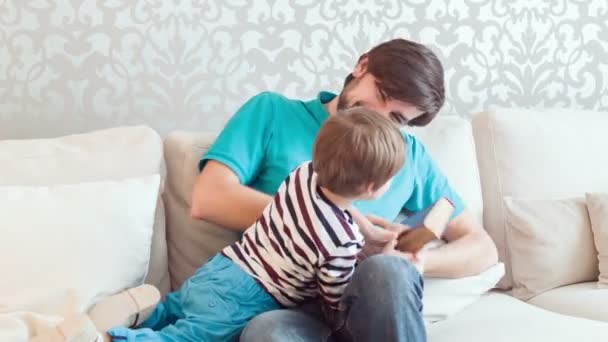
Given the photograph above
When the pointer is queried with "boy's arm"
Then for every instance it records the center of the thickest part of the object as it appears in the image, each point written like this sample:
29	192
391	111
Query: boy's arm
376	238
334	274
219	197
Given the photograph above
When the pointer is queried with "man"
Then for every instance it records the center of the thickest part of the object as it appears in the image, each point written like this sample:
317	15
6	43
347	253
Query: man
271	134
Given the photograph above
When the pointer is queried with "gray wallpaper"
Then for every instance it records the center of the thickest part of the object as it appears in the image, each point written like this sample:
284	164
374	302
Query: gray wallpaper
72	66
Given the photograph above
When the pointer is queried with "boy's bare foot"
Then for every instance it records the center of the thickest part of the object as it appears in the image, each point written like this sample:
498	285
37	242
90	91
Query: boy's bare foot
125	308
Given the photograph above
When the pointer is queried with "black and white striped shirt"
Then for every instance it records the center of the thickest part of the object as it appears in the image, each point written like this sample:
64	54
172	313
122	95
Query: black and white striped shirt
302	246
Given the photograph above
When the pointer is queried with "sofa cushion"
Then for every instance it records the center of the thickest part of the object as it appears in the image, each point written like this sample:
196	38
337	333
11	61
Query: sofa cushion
111	154
445	297
498	317
581	300
190	242
597	204
551	244
90	239
537	155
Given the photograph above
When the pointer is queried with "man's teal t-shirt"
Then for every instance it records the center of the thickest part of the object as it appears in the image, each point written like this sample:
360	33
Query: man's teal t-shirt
271	135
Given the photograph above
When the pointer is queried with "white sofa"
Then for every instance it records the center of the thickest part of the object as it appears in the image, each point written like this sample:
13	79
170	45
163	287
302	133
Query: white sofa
504	152
500	153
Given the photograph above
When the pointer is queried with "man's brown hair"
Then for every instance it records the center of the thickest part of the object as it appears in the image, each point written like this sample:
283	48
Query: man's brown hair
355	149
409	72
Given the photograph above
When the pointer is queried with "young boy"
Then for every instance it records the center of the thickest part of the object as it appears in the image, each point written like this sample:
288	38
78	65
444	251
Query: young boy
304	245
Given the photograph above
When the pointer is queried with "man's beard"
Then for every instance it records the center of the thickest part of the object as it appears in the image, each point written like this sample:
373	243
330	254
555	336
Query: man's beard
342	100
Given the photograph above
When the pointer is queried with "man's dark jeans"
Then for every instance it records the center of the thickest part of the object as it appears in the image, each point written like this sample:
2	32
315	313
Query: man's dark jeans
383	302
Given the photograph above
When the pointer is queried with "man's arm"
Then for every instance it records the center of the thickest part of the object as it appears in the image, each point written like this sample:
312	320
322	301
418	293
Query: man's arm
234	159
469	250
219	197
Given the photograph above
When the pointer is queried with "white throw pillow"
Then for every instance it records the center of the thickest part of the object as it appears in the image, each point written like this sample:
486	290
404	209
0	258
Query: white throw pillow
445	297
109	154
597	204
551	244
80	241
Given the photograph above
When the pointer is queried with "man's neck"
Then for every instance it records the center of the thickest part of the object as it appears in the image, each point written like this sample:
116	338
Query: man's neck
340	201
332	106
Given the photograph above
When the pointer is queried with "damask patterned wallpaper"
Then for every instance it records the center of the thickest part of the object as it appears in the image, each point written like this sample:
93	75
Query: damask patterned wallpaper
71	66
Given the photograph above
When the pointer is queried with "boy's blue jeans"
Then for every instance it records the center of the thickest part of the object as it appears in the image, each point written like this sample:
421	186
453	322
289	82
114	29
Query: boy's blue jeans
214	304
383	302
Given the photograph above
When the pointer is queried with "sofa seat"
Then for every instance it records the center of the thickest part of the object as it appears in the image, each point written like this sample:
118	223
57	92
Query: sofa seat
580	300
498	317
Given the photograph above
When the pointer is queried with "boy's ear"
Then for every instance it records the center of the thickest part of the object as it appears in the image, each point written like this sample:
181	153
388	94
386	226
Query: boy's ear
368	191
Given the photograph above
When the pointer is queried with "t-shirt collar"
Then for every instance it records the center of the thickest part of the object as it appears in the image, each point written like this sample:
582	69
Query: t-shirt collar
315	106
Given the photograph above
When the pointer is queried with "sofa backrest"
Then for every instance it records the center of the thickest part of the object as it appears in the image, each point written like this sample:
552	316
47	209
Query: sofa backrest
549	154
111	154
449	139
190	242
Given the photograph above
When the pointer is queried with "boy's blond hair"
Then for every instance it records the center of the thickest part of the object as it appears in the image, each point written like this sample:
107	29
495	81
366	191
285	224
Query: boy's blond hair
356	149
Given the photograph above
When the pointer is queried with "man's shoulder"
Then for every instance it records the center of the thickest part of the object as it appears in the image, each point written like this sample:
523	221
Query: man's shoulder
420	159
418	156
274	98
269	104
414	147
263	106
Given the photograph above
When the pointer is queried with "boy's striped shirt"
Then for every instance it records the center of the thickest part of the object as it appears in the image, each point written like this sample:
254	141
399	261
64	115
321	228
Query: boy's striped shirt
302	245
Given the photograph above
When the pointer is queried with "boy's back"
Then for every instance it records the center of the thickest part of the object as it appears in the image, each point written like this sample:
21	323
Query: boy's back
302	245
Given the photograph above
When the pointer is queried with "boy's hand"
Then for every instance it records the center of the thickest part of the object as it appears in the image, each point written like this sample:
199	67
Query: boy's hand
416	259
377	239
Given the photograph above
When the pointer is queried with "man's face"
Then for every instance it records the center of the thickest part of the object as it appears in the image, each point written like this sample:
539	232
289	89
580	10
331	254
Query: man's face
363	91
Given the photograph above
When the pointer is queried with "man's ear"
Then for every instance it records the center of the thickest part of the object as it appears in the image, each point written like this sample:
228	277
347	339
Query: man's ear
361	66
